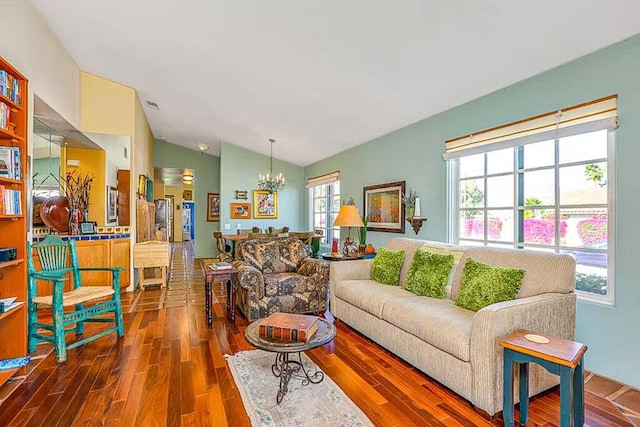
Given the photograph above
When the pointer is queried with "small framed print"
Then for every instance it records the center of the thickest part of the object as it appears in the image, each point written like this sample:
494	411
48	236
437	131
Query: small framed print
240	210
88	227
241	195
213	207
112	204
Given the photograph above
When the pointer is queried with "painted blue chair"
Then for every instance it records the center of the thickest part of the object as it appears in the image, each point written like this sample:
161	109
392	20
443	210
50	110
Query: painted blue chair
58	260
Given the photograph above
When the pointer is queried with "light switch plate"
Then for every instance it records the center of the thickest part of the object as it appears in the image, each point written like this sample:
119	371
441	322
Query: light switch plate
227	226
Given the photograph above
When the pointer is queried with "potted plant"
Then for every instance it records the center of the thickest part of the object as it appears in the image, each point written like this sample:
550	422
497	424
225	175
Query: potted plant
285	229
363	235
255	229
409	201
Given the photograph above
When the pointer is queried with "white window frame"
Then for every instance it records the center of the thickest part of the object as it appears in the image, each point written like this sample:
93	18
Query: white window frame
453	208
329	232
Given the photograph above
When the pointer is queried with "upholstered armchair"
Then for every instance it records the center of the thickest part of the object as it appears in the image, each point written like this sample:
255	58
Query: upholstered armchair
277	274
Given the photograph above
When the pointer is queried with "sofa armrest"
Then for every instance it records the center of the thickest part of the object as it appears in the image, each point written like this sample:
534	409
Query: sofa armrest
315	267
250	278
552	313
350	270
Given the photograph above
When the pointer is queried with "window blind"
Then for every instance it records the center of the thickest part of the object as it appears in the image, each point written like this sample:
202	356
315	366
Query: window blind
323	179
598	114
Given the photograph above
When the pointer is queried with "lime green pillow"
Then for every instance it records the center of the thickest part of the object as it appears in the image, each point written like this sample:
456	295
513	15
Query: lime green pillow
428	274
483	284
386	266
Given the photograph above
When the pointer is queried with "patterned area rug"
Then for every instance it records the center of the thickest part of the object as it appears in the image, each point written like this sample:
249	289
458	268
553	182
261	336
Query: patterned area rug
321	404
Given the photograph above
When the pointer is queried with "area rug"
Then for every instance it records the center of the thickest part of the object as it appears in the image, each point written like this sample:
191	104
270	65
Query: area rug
323	404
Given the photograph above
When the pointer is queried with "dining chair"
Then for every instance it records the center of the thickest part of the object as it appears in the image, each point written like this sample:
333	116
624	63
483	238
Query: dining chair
57	262
221	246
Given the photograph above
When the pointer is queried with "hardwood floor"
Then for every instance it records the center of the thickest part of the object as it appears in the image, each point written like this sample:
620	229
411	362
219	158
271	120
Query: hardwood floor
169	370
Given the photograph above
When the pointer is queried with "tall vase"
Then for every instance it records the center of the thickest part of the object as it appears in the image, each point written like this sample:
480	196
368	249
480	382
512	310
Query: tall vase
75	217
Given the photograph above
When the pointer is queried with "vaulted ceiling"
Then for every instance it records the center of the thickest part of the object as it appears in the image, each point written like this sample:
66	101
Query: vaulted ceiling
322	76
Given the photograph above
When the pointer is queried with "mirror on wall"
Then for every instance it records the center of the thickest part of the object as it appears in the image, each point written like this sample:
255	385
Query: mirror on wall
60	150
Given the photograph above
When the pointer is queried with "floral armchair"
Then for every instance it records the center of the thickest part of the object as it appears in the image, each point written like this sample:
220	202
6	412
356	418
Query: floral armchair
277	274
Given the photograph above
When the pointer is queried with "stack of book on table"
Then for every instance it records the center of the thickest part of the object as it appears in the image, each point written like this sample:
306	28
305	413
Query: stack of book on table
220	266
288	327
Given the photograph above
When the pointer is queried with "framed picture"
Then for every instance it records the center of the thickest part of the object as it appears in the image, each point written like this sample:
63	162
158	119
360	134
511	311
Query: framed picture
265	204
383	207
213	207
112	203
240	210
142	186
187	194
88	227
241	195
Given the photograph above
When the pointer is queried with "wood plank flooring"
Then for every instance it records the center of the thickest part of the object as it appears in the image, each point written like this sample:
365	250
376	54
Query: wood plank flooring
169	370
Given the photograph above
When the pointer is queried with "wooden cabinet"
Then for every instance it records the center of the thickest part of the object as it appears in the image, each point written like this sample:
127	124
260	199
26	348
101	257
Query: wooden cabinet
13	227
96	253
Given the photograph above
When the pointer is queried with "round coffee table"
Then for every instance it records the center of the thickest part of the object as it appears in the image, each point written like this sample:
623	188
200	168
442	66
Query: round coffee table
285	367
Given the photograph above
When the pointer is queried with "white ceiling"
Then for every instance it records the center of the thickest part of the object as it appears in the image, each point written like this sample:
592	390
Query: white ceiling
322	76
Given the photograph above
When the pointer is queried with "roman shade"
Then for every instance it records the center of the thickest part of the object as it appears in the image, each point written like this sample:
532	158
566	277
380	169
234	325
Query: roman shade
323	179
594	115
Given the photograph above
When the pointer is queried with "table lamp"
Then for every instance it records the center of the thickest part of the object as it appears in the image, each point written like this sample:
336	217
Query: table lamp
349	217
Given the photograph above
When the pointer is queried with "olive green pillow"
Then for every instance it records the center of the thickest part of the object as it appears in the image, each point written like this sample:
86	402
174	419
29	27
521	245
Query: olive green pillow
428	274
386	266
484	284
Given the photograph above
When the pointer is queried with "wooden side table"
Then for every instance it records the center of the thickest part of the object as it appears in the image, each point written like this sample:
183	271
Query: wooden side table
558	356
227	276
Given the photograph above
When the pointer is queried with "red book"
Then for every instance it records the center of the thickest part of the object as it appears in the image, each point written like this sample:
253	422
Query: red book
288	327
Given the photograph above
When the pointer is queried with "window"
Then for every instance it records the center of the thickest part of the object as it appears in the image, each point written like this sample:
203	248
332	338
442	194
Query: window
550	193
324	197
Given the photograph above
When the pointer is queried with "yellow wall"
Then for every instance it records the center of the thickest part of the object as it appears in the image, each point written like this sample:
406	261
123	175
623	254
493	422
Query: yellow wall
176	192
91	161
158	190
105	106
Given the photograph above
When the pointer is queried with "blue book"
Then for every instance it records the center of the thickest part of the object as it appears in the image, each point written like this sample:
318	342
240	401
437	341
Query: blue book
18	362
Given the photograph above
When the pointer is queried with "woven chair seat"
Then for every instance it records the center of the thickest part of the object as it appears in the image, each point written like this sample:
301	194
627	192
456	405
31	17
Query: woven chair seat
77	296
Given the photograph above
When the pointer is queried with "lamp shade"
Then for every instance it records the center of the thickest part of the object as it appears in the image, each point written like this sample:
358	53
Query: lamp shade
348	217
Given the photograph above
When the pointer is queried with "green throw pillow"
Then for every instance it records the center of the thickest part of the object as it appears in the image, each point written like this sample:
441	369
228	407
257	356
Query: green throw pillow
483	284
428	274
386	266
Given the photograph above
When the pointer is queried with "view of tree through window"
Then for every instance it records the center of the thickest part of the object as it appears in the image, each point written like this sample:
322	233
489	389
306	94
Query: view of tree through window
551	195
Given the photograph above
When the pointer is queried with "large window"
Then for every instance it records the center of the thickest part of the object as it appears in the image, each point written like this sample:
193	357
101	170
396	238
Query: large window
324	196
554	194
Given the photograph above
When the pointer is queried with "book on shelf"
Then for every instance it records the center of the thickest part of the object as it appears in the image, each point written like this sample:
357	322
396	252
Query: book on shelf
288	327
7	304
18	362
10	201
10	87
11	163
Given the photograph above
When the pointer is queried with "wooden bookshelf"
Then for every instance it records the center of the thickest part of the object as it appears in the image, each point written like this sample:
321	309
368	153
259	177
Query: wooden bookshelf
13	232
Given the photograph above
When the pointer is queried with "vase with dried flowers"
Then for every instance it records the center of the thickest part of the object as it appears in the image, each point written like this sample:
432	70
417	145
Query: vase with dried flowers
409	201
77	187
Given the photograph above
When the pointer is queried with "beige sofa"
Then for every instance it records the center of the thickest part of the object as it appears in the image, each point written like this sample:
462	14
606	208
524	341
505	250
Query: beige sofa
455	346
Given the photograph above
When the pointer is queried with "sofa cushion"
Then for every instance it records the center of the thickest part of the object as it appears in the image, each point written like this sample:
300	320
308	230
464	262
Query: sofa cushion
387	265
287	284
546	272
484	284
454	251
292	252
368	295
438	322
428	274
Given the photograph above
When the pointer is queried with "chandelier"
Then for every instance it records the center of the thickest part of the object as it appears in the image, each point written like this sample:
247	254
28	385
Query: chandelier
271	182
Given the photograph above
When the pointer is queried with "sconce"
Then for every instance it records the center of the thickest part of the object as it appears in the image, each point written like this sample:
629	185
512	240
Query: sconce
416	223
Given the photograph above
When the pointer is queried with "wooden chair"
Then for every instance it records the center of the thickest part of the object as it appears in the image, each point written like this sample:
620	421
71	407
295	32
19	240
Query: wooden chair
221	246
57	259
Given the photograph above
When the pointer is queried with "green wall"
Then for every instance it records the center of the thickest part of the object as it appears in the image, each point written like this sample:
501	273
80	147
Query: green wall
414	154
239	170
206	180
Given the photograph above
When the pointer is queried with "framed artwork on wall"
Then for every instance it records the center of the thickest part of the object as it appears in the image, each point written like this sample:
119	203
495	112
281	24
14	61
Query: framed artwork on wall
112	204
240	210
142	186
265	204
383	207
187	194
213	207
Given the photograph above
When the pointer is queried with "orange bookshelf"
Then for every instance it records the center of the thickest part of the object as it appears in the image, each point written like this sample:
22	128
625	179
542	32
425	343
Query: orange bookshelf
13	233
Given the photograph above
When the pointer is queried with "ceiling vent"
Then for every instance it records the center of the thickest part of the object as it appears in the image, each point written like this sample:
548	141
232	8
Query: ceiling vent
153	105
